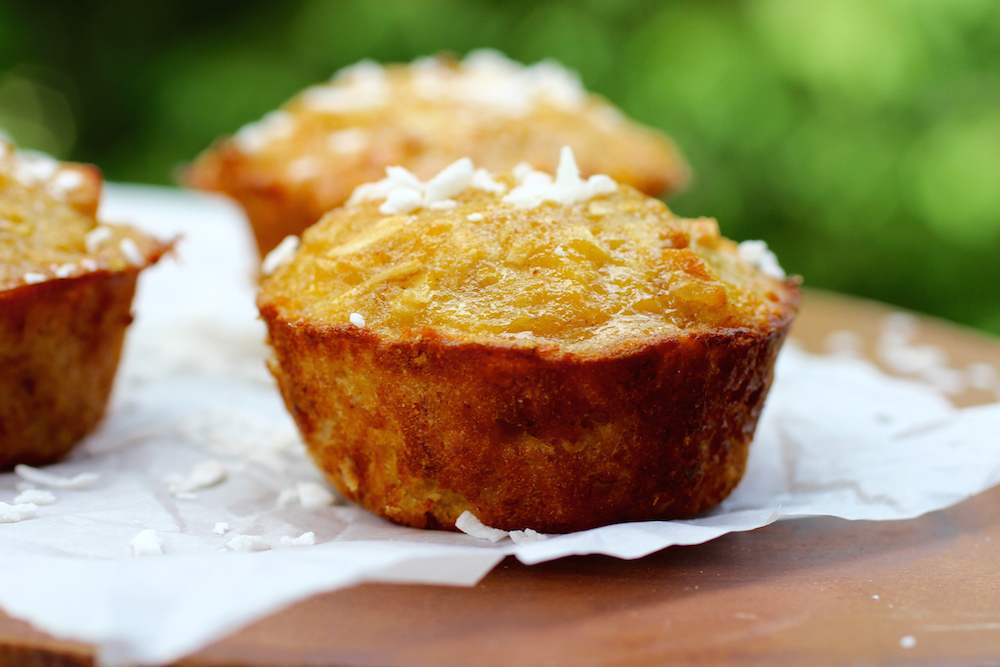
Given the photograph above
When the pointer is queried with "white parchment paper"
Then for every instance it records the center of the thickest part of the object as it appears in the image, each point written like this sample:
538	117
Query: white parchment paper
200	468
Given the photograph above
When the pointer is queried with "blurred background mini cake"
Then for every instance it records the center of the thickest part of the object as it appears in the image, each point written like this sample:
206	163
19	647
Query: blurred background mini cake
66	286
546	353
306	158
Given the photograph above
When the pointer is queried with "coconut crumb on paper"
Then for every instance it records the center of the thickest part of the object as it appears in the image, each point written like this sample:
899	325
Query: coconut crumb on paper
18	512
470	525
311	495
82	481
248	543
303	540
147	543
245	437
288	496
897	351
314	495
204	475
221	528
527	536
34	497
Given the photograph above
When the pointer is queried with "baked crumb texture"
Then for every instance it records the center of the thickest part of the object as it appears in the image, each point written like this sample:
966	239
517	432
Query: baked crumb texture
555	362
302	160
66	285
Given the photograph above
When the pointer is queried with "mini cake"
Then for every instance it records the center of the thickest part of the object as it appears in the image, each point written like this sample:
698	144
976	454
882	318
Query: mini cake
66	285
299	162
553	354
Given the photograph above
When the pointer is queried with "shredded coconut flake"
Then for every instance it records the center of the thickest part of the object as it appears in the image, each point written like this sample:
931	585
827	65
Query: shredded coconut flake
255	137
88	264
204	475
18	512
357	88
34	497
314	495
400	200
147	543
221	528
474	217
82	481
981	375
304	168
358	320
282	254
35	278
96	237
64	182
248	543
32	168
132	253
347	142
288	496
65	271
452	180
311	495
758	254
488	79
403	192
483	180
908	641
470	525
526	536
303	540
536	187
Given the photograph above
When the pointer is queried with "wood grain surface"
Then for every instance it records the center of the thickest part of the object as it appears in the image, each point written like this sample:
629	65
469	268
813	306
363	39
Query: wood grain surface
818	591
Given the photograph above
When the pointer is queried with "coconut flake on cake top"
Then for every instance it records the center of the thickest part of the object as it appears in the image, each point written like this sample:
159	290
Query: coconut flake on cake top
758	254
535	187
403	192
254	137
31	168
359	87
490	79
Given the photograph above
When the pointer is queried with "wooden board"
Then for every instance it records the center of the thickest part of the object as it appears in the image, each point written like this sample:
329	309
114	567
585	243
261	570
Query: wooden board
817	591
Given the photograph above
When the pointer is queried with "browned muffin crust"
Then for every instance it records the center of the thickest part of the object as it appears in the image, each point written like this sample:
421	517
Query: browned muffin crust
298	163
634	396
64	308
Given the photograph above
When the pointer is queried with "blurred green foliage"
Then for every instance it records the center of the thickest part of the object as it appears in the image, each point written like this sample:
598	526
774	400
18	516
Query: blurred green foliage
860	138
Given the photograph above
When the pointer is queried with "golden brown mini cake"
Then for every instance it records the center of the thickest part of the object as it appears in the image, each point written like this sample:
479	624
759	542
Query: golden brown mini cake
66	285
299	162
547	354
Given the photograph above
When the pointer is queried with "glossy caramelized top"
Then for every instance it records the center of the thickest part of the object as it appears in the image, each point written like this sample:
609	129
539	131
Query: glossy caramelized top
612	270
